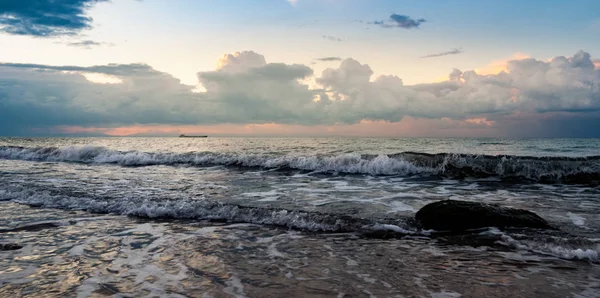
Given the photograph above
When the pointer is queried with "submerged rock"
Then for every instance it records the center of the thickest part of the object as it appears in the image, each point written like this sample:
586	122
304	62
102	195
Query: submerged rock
9	246
451	215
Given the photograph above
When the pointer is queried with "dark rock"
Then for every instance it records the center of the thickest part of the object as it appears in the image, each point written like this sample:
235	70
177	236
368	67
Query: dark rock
451	215
9	246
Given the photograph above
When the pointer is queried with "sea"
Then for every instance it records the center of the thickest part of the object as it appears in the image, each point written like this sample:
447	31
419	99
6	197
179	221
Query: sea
293	217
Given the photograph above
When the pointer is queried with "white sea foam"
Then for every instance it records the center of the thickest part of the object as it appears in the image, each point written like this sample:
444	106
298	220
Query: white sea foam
235	287
591	254
576	254
203	209
394	228
577	219
136	264
76	250
273	252
403	164
346	163
397	206
445	294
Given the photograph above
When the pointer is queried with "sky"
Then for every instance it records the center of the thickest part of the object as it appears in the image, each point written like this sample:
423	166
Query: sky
378	68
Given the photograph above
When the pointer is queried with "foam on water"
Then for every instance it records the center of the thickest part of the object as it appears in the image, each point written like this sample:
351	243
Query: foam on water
577	219
205	209
445	294
550	169
591	254
575	254
346	163
360	195
196	209
397	206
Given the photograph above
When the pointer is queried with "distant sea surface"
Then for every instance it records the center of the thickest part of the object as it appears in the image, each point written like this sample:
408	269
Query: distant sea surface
275	217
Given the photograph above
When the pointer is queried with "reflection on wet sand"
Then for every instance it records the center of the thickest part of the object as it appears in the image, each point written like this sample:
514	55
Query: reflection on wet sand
85	255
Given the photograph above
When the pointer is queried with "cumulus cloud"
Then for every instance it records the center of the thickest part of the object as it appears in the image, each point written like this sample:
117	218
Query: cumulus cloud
400	21
43	18
446	53
88	44
563	89
38	96
240	61
249	90
245	88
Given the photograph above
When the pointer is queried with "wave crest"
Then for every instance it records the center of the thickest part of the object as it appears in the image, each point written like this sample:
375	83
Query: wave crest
581	170
202	209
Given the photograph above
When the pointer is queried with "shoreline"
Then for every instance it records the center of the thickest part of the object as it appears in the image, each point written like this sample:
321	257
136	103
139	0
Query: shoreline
245	260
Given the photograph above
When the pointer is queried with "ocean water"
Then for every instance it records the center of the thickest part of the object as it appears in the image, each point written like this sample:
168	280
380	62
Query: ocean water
298	217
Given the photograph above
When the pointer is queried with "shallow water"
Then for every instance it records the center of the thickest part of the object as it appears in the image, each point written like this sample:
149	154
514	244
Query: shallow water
255	217
101	255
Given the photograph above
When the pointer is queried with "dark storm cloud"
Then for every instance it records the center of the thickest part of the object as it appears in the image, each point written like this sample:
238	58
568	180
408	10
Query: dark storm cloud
328	59
400	21
45	18
451	52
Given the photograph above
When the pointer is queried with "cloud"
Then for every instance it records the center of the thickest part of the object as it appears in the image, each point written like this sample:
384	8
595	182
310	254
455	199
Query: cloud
329	59
400	21
246	89
498	66
292	2
332	38
88	44
240	61
135	69
451	52
570	85
44	18
41	96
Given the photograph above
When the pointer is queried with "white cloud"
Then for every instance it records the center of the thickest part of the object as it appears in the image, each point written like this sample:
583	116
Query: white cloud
562	84
240	62
245	88
101	78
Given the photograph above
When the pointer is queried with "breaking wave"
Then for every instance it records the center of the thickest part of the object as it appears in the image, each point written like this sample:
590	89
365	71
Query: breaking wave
585	251
200	209
380	228
576	170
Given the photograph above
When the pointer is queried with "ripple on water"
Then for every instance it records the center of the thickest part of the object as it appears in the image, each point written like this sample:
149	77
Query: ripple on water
108	255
